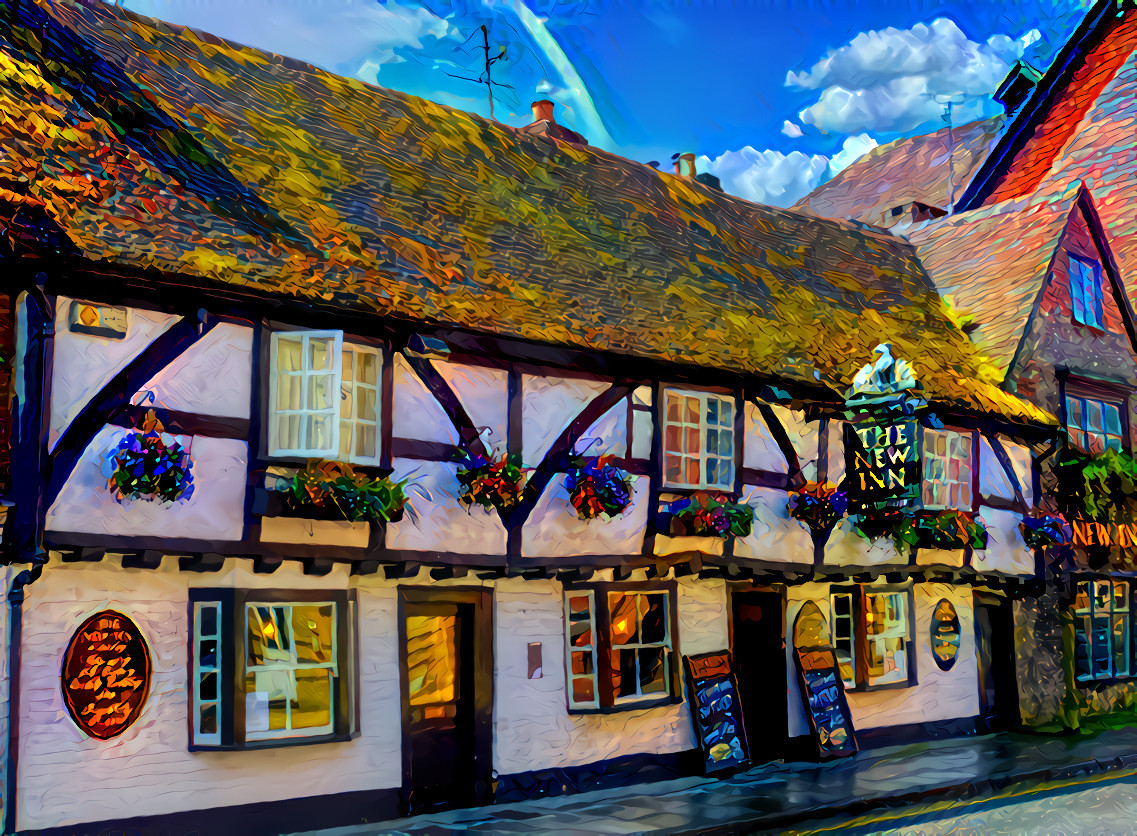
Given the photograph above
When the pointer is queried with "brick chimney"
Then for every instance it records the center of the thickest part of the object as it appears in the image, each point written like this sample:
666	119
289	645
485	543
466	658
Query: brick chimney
545	125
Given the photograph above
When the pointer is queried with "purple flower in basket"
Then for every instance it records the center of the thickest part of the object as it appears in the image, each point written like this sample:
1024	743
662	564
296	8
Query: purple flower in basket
1041	530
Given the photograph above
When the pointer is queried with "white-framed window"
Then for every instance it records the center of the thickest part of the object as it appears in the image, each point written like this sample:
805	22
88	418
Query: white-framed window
360	390
290	669
619	646
1102	630
844	624
325	397
947	469
1086	291
580	647
887	633
698	440
1092	425
206	700
874	625
271	667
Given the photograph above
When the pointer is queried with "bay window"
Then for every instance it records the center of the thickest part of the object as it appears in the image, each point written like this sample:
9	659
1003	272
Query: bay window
872	636
619	646
698	440
324	396
270	667
1102	630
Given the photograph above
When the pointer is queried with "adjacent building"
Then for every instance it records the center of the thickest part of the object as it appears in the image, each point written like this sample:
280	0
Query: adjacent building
259	305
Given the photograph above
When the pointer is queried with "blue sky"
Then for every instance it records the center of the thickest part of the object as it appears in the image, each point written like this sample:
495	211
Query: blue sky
774	95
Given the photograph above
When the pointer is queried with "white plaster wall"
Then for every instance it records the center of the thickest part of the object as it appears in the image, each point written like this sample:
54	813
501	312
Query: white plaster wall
214	377
549	404
435	520
554	529
993	480
1006	551
803	435
416	413
759	450
67	777
846	547
835	447
775	535
1023	465
215	511
6	575
483	392
83	364
533	729
938	695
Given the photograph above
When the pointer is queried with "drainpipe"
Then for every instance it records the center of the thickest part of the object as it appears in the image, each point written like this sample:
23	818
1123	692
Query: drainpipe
23	528
15	635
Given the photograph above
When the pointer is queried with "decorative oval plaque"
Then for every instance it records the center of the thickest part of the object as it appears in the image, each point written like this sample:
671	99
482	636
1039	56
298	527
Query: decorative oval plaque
945	634
106	674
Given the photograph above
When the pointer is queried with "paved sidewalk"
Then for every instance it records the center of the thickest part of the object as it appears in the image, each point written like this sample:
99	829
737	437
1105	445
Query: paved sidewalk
777	795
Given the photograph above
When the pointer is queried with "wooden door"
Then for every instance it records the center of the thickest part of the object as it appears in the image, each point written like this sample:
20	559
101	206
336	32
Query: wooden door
447	669
995	649
759	651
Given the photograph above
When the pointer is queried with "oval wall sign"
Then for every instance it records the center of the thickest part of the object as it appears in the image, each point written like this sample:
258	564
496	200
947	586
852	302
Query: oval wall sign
945	634
106	674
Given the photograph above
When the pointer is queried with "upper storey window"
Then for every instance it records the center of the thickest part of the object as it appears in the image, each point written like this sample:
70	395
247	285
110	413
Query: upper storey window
698	440
324	397
1085	287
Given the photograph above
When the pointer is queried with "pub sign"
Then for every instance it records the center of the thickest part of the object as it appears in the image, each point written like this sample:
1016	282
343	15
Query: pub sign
882	463
106	674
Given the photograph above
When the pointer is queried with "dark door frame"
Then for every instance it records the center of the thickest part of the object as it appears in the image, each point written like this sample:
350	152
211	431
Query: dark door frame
999	709
783	724
482	666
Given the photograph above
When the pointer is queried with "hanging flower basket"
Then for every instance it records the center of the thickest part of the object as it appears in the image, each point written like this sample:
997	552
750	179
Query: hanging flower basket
706	514
596	486
334	491
818	504
491	482
1041	530
150	464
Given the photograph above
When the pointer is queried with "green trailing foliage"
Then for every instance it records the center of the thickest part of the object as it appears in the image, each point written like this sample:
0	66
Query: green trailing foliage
335	489
1101	487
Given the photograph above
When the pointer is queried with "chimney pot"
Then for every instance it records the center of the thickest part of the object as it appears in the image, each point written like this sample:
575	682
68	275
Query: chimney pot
543	111
685	161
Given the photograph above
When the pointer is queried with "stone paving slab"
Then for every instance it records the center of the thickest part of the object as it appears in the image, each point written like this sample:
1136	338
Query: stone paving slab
780	794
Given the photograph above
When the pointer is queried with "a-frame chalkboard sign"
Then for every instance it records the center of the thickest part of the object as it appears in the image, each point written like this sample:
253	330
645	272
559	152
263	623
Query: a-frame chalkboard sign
825	704
716	712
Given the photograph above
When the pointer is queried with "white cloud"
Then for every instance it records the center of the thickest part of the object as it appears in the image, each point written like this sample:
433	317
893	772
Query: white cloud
893	80
769	177
344	36
791	130
852	150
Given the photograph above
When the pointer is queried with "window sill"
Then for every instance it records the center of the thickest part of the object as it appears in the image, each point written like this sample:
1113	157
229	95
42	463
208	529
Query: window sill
622	707
279	743
887	686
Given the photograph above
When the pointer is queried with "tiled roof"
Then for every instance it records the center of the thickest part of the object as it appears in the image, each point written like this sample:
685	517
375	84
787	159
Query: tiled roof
158	146
903	172
991	264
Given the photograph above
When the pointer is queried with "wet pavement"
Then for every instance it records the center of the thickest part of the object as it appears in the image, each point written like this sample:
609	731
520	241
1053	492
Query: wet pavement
776	796
1101	804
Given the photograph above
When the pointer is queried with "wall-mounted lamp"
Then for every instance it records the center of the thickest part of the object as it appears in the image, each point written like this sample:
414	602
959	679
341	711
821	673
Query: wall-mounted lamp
421	346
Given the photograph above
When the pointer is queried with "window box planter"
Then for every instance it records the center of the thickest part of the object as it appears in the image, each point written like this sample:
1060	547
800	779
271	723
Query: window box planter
334	491
705	514
1042	530
948	529
597	487
818	504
